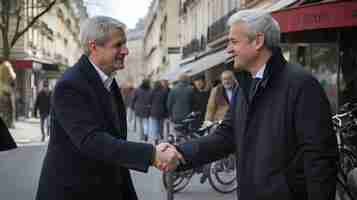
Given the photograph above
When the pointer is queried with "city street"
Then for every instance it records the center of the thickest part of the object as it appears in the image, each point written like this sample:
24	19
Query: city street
20	168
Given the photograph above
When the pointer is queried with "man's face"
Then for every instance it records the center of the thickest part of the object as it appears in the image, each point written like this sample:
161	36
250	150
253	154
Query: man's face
111	55
240	47
199	84
164	83
227	81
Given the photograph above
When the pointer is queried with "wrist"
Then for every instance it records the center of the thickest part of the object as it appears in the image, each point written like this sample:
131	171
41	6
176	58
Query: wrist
153	157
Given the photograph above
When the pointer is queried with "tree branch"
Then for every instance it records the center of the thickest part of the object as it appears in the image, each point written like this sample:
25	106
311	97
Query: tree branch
18	20
18	34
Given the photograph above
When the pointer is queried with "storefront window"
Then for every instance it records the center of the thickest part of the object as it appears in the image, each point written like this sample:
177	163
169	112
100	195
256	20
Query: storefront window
322	61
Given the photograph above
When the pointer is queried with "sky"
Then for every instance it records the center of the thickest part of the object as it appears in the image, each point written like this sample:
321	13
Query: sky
127	11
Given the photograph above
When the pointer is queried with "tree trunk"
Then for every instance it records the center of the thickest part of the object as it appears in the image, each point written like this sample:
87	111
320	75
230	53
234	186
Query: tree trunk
6	46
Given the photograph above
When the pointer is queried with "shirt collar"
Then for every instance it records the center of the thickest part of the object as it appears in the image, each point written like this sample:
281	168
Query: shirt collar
260	73
106	80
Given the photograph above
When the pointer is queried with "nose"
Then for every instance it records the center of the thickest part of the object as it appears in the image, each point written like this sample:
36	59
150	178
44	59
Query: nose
229	49
124	51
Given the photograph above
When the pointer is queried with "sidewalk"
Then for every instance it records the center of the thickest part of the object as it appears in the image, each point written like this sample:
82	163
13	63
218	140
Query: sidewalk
27	132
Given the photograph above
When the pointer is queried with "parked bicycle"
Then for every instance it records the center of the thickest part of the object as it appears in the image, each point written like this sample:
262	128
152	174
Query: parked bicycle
221	174
345	126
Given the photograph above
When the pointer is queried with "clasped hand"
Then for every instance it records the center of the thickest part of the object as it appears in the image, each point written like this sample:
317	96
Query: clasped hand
167	157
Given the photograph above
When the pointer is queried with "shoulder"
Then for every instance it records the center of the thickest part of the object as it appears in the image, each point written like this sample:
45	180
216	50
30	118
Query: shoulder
71	79
299	77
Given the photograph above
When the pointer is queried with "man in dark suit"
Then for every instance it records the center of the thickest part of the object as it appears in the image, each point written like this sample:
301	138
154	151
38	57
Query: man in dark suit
279	126
88	156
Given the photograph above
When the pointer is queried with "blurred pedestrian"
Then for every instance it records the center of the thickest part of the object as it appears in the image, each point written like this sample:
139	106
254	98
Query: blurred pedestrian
166	127
200	98
158	112
7	82
43	104
221	97
180	99
142	106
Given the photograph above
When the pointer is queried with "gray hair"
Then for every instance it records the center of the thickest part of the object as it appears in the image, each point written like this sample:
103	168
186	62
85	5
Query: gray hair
230	74
261	21
99	30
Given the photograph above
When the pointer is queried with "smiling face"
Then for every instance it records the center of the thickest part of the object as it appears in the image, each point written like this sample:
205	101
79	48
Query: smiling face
241	46
111	55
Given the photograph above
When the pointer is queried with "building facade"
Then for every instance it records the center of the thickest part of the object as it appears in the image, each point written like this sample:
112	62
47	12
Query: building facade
135	70
320	35
48	47
161	44
205	33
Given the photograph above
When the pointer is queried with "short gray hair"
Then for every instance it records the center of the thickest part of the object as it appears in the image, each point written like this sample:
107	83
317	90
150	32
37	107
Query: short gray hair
261	21
98	29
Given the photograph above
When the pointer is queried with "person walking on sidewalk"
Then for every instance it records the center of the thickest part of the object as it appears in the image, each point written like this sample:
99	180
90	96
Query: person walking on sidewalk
43	104
158	112
142	104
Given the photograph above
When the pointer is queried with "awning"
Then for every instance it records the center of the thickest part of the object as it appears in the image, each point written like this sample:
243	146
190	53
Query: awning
205	62
172	74
23	64
210	60
36	65
335	14
50	67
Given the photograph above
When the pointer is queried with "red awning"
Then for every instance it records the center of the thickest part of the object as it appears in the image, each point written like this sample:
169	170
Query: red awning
318	16
23	64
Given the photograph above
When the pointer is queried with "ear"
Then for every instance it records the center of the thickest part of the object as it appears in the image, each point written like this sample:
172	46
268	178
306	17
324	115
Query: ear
92	46
259	41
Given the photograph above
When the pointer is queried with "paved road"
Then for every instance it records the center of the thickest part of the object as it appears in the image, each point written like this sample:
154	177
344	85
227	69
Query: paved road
20	169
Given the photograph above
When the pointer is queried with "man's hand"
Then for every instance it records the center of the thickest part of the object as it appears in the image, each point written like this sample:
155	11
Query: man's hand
167	158
206	124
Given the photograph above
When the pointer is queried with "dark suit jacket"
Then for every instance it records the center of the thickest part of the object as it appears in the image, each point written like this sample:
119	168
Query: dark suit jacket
88	156
283	138
43	103
6	141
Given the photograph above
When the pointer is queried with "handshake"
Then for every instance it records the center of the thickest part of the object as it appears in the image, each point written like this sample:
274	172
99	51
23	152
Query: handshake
167	158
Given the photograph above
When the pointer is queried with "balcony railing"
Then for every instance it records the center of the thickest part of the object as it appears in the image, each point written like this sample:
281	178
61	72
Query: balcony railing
196	45
219	28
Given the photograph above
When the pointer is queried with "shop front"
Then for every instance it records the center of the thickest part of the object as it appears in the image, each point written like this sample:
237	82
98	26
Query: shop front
30	74
321	37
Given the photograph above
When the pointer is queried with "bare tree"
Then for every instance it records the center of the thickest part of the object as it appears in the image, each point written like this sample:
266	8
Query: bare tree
18	16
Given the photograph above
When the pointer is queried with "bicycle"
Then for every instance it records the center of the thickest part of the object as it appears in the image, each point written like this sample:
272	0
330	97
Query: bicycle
217	171
185	132
345	124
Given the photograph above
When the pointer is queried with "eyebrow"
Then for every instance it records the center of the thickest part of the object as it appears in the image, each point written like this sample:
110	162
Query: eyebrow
120	42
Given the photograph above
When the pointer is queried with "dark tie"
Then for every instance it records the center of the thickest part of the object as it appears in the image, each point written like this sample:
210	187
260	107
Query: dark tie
253	87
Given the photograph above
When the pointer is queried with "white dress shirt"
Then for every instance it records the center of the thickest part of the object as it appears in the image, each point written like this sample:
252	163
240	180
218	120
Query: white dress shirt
260	73
107	80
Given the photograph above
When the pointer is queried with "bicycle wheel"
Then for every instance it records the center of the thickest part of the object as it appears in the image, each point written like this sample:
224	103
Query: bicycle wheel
180	180
342	190
222	176
347	161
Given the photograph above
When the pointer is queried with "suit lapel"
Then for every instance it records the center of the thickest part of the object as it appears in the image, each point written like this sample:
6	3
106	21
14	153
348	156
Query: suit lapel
121	112
95	81
225	95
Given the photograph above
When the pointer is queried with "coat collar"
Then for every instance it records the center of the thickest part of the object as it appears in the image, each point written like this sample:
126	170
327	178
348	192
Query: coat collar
103	95
91	74
274	66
